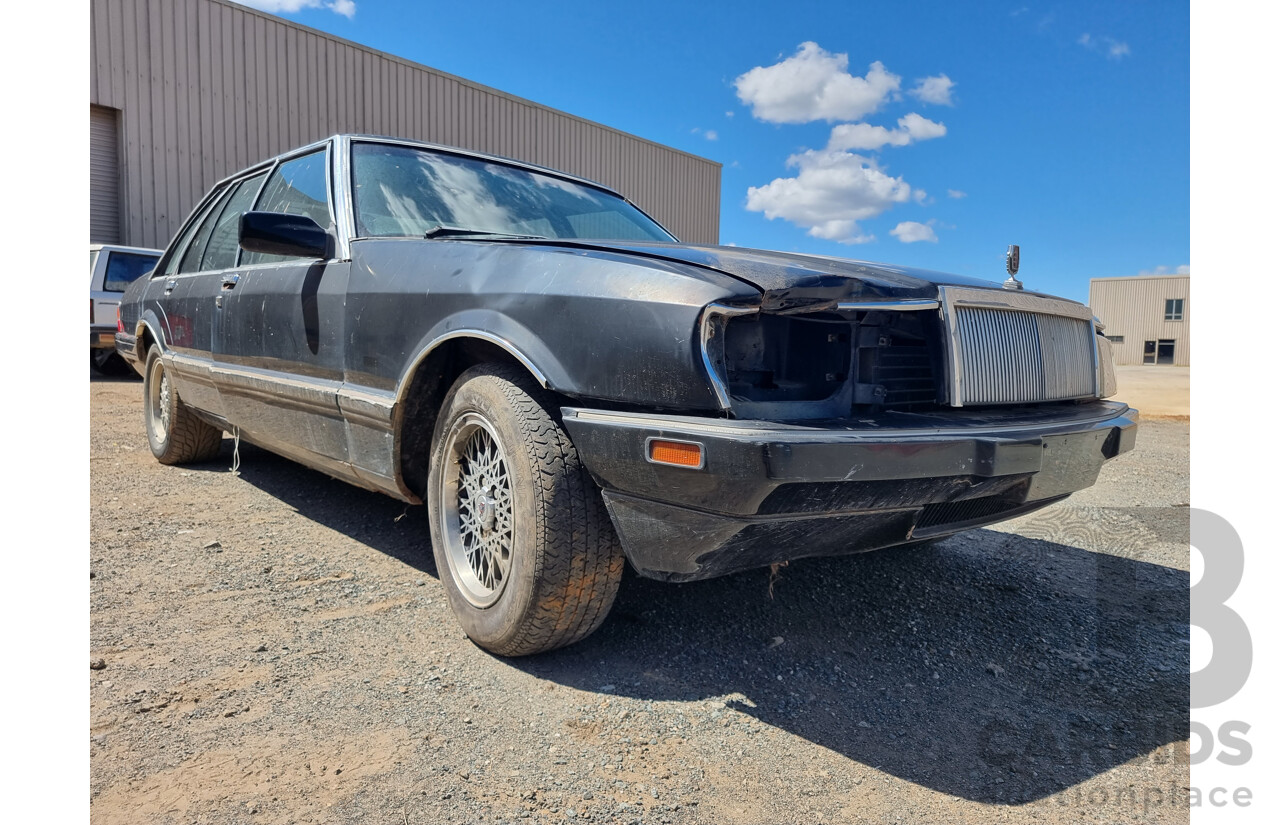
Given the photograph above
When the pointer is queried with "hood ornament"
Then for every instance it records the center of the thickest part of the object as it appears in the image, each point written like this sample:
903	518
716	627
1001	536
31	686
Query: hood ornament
1011	266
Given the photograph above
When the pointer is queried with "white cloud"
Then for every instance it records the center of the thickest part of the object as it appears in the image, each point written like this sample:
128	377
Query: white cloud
830	193
729	113
346	8
1114	49
935	90
814	84
956	193
913	231
712	134
912	128
1185	269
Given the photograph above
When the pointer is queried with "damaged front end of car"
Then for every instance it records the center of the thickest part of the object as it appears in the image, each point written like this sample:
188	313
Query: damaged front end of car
856	424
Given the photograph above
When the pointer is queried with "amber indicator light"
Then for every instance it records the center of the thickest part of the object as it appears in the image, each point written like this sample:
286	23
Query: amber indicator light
677	453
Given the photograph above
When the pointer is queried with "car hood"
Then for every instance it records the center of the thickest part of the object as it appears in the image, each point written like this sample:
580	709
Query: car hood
792	281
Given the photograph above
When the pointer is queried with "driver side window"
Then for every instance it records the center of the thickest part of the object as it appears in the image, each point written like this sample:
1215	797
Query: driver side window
297	187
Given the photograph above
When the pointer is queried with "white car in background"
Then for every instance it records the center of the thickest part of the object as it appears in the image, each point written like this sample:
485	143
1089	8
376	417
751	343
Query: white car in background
111	269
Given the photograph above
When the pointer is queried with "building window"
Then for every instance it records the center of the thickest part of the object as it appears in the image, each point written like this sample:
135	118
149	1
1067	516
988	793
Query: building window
1173	309
1116	339
1158	352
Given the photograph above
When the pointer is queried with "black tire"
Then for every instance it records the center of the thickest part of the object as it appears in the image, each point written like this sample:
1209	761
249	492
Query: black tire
500	457
175	434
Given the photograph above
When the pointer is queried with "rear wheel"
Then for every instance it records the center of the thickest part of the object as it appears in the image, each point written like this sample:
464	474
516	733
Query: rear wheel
523	544
175	434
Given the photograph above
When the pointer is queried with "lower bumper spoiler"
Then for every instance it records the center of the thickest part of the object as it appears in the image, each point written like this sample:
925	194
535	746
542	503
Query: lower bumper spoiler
770	492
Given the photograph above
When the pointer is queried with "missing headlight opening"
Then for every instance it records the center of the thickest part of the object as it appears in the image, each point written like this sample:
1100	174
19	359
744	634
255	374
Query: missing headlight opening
830	366
780	358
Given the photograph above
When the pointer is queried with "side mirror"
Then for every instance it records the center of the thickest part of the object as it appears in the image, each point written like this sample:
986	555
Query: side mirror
276	233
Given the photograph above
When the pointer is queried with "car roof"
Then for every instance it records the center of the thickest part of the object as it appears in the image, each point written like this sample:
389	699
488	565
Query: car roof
419	144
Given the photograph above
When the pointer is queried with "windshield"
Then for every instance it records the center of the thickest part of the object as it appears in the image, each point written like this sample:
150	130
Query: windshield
401	191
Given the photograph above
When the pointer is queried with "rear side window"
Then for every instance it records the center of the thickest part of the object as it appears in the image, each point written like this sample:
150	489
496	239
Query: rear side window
178	248
224	240
296	187
125	267
216	241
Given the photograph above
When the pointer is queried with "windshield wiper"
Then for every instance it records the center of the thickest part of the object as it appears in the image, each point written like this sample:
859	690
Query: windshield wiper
443	231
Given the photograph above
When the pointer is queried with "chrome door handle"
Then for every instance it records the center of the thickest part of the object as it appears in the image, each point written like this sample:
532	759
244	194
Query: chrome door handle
169	285
230	281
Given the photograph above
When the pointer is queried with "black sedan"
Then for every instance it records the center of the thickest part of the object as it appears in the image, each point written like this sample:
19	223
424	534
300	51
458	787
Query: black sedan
570	389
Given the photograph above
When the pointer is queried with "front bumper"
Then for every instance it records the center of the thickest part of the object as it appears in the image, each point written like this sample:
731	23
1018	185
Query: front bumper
770	492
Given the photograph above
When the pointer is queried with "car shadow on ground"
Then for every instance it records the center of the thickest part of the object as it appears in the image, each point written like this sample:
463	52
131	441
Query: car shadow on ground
992	667
379	521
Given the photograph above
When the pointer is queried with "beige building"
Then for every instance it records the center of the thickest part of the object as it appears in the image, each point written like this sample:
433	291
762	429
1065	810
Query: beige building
1148	317
185	92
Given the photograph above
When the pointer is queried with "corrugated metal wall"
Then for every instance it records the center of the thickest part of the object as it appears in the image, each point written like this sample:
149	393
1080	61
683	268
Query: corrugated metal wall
207	87
104	175
1134	308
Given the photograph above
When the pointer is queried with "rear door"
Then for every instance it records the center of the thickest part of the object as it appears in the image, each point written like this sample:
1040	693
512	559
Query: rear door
193	290
279	354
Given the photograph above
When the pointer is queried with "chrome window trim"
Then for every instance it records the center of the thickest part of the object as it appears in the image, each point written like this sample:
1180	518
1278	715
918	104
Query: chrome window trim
706	333
343	203
952	297
702	452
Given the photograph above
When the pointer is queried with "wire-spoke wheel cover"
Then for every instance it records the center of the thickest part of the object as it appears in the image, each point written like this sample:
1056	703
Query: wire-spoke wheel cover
477	510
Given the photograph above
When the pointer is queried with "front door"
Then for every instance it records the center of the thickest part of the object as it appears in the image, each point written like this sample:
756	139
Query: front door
280	352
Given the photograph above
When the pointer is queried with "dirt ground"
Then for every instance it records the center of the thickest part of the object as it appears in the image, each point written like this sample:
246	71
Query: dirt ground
275	648
1158	392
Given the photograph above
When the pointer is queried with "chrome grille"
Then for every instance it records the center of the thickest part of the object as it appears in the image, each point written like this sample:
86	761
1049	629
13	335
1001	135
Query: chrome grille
1016	356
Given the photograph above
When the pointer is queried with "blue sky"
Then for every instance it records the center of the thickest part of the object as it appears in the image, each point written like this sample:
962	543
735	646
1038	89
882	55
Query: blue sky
1062	127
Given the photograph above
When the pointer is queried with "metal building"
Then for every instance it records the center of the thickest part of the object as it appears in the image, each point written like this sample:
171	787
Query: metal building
185	92
1148	317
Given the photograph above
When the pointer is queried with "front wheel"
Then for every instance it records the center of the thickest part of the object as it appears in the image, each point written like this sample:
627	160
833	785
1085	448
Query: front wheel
524	547
175	434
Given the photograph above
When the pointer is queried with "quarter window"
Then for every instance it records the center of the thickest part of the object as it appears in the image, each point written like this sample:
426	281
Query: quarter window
296	187
1116	339
1173	309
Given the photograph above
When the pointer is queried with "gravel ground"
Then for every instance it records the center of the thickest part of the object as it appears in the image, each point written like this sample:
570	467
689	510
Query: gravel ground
275	647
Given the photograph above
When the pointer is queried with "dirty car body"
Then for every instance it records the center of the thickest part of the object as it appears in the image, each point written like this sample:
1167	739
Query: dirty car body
832	406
